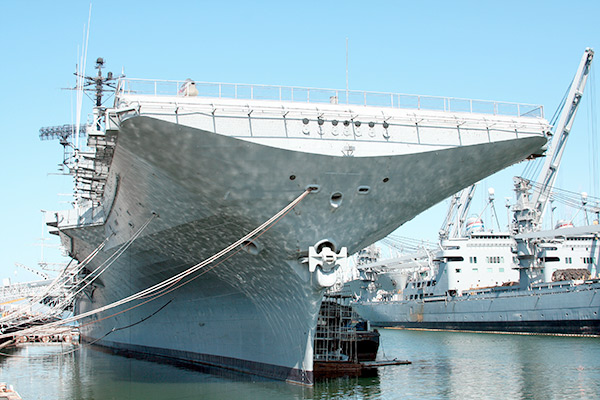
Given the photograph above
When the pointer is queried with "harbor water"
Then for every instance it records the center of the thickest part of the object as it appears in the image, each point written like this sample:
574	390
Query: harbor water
445	365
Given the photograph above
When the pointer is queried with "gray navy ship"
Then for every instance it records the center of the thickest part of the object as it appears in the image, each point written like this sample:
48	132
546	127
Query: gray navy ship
178	173
525	280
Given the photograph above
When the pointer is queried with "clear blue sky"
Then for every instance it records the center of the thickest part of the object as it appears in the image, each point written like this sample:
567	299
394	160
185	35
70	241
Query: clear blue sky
521	51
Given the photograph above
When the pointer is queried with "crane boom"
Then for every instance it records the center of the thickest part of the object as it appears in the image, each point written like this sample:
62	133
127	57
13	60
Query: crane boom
561	133
457	213
529	212
35	271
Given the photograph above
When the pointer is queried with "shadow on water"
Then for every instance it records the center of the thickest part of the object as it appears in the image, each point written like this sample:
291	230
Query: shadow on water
191	378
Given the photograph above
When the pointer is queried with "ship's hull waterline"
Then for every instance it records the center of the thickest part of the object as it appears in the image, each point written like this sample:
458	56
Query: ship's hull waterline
201	191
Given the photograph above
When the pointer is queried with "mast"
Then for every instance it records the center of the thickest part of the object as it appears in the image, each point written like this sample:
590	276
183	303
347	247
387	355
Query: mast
88	166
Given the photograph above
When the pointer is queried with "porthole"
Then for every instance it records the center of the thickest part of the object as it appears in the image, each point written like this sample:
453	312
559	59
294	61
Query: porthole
305	121
320	121
363	190
334	122
385	125
336	199
251	247
371	124
385	180
346	123
357	124
292	177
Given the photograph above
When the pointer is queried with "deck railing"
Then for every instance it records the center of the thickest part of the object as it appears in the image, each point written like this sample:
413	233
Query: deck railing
335	96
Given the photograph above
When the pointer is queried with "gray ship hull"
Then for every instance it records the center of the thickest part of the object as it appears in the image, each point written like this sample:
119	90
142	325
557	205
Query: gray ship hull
200	191
568	309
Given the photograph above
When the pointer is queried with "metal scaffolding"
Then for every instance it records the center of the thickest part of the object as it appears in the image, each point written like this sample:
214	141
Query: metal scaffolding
336	338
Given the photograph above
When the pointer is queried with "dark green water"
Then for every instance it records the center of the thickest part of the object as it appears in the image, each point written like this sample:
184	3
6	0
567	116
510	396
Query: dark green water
445	366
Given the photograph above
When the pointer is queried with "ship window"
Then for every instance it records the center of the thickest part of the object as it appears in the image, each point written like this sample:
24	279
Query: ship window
305	121
457	270
501	269
454	258
489	270
475	269
550	259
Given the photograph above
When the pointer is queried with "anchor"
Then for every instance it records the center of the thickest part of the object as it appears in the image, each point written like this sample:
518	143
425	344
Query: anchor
324	263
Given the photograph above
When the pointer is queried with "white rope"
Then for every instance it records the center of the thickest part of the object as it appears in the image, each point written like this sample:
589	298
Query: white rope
58	286
110	260
164	284
54	287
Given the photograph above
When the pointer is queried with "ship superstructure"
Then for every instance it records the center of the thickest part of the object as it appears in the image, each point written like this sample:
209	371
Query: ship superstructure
523	280
177	171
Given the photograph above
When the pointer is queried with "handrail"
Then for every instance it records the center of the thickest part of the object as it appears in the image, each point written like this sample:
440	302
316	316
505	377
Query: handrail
332	96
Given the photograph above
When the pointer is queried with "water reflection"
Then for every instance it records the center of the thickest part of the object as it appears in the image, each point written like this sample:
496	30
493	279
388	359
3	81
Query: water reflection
444	366
475	366
348	388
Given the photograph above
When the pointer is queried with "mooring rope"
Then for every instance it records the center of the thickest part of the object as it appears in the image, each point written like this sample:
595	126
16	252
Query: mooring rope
57	284
110	260
170	282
